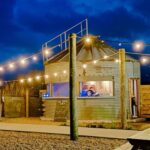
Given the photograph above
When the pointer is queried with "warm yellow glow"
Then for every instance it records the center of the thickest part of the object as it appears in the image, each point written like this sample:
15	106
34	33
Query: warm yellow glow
144	60
84	66
55	74
117	60
88	39
37	77
46	76
64	71
138	45
11	65
23	61
21	80
46	51
1	69
94	62
105	57
29	79
34	58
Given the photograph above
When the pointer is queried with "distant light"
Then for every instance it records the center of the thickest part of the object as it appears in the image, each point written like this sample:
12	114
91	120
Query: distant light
55	74
37	77
84	66
119	44
144	60
95	61
64	71
23	61
34	58
11	65
29	79
102	41
21	80
138	45
46	76
116	60
105	57
1	69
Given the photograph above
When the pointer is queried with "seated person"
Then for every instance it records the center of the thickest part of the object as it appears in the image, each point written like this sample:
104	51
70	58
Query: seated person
84	91
92	92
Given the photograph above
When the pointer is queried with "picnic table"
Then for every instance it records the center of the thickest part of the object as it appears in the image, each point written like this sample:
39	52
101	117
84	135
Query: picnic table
140	141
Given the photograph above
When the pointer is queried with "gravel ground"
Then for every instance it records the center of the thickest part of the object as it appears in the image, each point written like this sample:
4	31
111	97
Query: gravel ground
39	141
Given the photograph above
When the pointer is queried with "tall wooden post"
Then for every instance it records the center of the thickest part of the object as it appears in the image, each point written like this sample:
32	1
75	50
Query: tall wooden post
72	86
1	94
27	102
122	87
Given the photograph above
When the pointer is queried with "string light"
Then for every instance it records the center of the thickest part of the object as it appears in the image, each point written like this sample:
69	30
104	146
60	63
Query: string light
21	80
94	62
34	58
11	65
23	61
46	76
37	77
144	60
116	60
46	51
64	71
88	39
1	69
105	57
84	66
138	45
29	79
55	74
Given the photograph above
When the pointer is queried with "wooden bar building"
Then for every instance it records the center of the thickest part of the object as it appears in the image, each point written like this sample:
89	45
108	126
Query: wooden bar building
98	87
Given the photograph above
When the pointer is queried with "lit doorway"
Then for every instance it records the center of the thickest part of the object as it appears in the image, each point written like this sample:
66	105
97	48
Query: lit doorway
134	98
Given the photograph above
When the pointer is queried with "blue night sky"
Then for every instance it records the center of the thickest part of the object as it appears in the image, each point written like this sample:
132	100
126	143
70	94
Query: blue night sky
26	24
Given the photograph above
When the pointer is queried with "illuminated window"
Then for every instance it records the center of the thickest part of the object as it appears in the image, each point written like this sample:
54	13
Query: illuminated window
96	88
60	89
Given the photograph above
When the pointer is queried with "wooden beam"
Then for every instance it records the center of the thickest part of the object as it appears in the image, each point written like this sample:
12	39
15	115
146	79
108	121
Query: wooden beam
27	102
122	70
72	86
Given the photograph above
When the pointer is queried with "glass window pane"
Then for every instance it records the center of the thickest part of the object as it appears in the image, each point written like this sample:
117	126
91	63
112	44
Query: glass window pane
60	89
96	88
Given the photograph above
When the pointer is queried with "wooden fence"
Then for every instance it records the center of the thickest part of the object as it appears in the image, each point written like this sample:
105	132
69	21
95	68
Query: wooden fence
145	101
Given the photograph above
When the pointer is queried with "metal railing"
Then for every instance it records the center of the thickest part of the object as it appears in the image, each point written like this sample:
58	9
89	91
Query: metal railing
60	42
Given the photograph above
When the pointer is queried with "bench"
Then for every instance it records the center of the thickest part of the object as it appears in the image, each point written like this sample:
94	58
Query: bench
140	141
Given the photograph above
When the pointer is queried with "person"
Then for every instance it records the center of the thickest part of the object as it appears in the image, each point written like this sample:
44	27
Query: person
84	91
134	107
92	92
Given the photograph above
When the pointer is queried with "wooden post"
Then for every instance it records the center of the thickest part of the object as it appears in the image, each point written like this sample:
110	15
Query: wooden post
27	102
122	87
1	94
72	85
